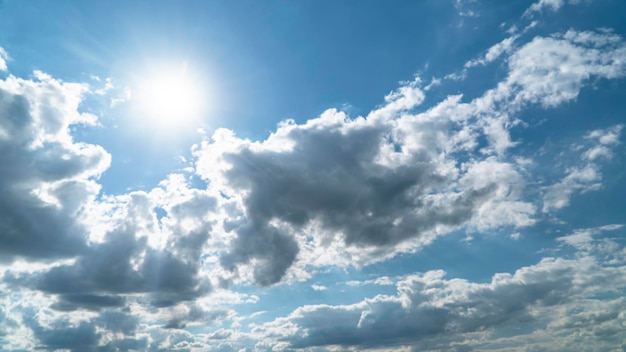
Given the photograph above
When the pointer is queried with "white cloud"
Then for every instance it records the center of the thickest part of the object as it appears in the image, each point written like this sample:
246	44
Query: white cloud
493	53
380	281
586	241
583	179
541	4
553	5
465	8
4	57
550	71
587	176
317	287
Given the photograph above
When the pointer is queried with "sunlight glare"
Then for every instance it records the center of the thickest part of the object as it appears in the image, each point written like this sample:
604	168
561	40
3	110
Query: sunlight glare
170	98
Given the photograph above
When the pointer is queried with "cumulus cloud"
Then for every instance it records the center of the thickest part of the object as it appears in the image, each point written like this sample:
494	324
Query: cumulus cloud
317	287
431	312
48	177
126	262
366	188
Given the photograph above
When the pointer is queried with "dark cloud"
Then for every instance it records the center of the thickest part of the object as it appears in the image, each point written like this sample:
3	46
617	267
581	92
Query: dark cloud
331	176
86	335
63	335
274	250
107	269
123	263
69	302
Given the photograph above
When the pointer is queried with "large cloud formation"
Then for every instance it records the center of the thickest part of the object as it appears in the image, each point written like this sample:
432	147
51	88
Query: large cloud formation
134	271
367	188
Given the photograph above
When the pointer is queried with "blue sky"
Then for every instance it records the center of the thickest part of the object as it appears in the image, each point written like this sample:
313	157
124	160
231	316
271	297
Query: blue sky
312	175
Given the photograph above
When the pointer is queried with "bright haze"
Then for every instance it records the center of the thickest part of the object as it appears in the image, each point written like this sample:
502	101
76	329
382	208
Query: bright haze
437	175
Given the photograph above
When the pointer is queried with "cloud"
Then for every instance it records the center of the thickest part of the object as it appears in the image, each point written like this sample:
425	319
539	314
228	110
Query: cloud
382	281
552	70
4	57
587	176
541	4
553	5
431	311
336	190
317	287
464	8
48	178
366	188
493	53
124	262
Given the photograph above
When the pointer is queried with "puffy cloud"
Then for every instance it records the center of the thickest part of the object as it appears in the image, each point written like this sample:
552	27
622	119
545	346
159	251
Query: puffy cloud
550	71
366	188
317	287
124	262
339	176
48	178
431	312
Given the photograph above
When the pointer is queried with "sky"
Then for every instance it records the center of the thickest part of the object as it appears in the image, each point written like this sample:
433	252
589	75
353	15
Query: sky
436	175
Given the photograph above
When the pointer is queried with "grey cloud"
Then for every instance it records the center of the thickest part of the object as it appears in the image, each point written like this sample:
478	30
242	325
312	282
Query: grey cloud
69	302
39	156
193	314
125	344
123	263
107	269
118	322
86	335
380	181
430	309
274	251
82	337
330	176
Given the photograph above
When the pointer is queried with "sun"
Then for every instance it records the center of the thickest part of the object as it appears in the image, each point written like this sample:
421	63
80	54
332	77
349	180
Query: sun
169	98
